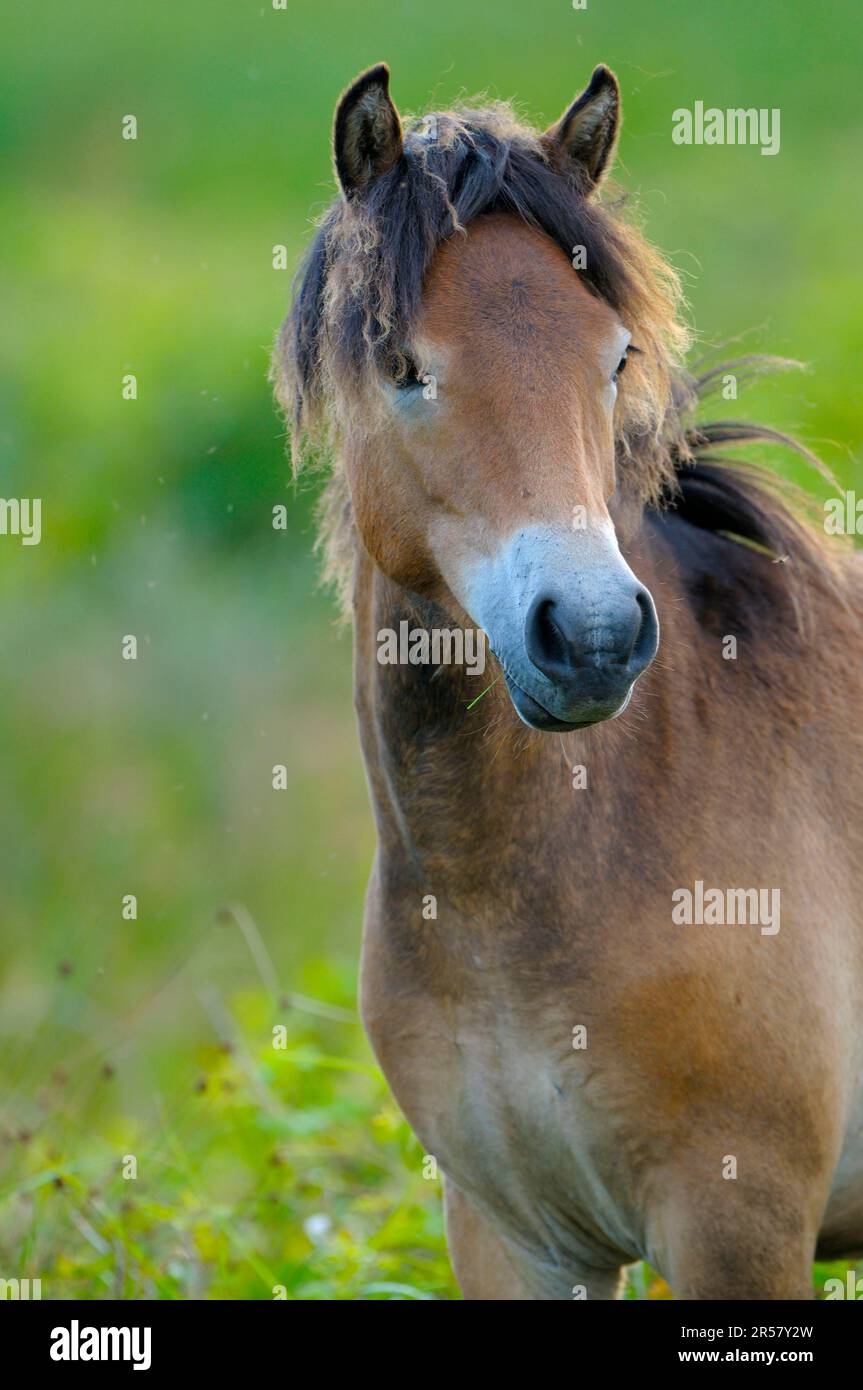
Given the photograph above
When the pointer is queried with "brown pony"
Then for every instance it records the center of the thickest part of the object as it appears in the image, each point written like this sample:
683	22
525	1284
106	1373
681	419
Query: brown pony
613	958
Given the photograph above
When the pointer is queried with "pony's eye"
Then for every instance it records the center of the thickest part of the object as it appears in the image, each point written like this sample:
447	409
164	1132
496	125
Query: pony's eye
621	366
402	371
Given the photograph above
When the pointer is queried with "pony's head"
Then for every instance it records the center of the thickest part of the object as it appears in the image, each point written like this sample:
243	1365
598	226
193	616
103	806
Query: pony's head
492	352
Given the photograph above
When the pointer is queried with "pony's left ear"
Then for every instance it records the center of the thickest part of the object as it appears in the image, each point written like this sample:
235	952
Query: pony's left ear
586	134
367	135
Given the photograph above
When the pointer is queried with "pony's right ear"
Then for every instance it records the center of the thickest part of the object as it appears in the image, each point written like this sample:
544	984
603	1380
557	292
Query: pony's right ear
586	134
367	135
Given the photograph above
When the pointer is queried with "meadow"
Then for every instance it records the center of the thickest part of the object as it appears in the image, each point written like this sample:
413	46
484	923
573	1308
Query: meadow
154	1142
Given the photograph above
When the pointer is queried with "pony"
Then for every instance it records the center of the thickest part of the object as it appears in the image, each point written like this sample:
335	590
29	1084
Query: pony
612	961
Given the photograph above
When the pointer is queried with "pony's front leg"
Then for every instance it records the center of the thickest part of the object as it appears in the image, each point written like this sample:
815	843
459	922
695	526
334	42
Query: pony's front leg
480	1260
487	1269
762	1251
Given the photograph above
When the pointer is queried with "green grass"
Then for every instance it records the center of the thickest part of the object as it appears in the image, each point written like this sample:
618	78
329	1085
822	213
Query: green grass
257	1172
154	777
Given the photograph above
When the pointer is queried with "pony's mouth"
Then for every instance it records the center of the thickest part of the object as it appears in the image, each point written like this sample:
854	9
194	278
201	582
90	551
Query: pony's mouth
536	716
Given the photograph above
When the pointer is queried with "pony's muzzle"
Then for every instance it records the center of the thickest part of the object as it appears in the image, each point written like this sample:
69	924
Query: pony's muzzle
570	623
593	646
588	648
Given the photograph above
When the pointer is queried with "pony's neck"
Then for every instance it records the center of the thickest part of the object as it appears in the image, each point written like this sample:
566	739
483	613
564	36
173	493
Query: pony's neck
455	786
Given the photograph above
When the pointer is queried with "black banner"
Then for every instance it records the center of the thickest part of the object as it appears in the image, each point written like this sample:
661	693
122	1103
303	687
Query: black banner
83	1339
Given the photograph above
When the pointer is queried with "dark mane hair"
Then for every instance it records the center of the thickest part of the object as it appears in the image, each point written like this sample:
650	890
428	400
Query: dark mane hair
359	289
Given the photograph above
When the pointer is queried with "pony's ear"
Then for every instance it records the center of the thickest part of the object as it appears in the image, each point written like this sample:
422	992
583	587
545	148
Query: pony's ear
367	135
586	133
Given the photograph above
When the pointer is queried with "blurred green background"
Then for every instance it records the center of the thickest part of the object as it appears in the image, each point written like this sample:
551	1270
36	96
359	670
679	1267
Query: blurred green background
152	1037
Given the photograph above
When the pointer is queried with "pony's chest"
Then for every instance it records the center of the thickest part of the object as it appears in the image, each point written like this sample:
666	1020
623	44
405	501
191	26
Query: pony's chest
507	1108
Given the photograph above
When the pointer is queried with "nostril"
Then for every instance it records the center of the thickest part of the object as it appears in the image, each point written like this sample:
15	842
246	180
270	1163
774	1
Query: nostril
646	637
550	637
637	628
610	633
546	644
